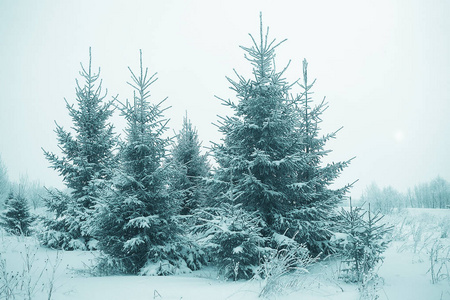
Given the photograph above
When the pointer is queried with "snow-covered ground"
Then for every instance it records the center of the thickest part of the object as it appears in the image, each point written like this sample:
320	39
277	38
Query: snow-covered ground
405	272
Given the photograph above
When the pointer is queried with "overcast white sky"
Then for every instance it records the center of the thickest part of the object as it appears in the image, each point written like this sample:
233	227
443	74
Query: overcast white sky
384	67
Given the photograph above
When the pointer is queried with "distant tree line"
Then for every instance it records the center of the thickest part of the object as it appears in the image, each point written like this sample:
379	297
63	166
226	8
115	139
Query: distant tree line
4	182
433	194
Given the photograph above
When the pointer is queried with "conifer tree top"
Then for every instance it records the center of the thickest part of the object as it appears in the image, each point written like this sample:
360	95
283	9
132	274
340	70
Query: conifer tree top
87	154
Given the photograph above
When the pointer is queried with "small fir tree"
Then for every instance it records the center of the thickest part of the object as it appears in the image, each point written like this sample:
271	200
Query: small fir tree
63	230
232	238
16	217
365	240
87	156
193	167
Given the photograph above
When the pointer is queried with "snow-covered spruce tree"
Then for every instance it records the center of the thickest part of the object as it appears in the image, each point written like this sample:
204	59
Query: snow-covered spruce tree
272	151
193	167
87	159
260	148
135	221
16	217
313	212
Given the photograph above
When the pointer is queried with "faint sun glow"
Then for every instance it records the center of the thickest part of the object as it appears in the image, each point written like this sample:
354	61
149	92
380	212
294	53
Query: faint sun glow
399	136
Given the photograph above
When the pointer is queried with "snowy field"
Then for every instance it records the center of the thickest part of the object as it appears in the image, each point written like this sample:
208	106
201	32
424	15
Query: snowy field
421	236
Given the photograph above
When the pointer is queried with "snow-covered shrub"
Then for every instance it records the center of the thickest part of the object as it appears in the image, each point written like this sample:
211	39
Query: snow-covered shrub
165	267
420	235
370	286
439	257
444	226
232	238
16	217
33	281
399	232
104	265
9	281
362	241
287	258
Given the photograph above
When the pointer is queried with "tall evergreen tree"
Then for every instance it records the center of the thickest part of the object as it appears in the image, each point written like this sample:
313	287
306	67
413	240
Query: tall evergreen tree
272	151
135	222
87	155
259	149
193	167
313	213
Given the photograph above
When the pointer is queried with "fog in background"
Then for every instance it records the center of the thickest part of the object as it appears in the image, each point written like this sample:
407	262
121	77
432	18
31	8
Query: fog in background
384	67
